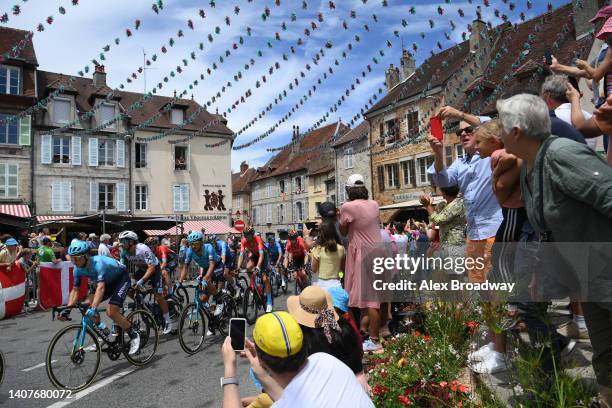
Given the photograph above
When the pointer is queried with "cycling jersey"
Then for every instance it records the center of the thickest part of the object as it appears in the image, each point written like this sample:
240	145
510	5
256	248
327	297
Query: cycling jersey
274	250
222	248
255	246
297	250
111	272
207	255
142	258
165	254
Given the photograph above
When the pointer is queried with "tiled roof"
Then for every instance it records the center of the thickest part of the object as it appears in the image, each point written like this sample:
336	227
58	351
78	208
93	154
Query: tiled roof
10	37
240	181
84	89
353	134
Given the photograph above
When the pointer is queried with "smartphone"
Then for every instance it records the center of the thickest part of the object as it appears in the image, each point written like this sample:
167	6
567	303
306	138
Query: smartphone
311	225
435	124
237	332
548	57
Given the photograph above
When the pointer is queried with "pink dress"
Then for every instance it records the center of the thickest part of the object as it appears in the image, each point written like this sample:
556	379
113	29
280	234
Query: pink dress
362	218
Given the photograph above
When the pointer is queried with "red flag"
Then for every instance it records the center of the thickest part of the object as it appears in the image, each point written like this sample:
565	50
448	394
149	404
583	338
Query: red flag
56	282
12	290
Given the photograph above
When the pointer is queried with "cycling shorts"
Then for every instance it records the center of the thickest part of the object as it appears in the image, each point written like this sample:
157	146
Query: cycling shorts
118	291
298	262
218	274
155	280
254	257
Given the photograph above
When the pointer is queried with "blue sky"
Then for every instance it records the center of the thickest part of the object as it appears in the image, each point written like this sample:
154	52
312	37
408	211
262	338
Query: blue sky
77	37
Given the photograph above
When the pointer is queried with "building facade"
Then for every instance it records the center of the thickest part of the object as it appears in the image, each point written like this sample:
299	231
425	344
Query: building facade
241	193
352	156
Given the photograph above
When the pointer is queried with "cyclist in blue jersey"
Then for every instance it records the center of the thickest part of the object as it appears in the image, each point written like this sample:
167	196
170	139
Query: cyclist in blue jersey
144	266
227	258
205	256
112	284
275	255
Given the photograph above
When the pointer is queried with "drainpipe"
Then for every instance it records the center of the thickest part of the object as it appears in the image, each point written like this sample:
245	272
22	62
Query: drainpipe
128	143
32	188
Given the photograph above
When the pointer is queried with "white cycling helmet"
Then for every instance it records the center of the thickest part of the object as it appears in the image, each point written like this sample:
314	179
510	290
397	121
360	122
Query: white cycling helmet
128	235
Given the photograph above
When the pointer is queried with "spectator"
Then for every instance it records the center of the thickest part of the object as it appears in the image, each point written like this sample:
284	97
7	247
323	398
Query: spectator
328	257
45	252
292	378
360	219
560	179
401	239
93	241
103	248
33	241
29	267
166	240
8	254
473	176
329	213
44	232
115	250
451	219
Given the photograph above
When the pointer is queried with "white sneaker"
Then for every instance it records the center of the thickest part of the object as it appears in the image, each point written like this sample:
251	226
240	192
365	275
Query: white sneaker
209	333
370	345
482	353
494	363
91	348
134	345
219	309
169	327
268	308
284	283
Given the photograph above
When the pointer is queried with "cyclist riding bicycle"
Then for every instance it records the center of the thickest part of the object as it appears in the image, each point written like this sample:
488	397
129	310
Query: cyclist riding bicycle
275	254
256	260
112	284
296	253
227	260
145	268
205	256
167	258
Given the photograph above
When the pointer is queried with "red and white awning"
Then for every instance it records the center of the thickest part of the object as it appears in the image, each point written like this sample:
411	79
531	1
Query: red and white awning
154	233
210	227
17	210
58	218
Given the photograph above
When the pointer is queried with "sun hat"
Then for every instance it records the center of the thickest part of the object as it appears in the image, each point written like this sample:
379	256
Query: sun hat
314	308
606	29
278	334
340	297
355	180
11	242
603	12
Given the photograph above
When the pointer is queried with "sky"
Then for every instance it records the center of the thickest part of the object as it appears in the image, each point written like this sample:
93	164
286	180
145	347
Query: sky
79	35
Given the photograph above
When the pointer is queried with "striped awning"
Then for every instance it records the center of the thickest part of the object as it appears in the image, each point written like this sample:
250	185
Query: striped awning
210	226
59	218
154	233
17	210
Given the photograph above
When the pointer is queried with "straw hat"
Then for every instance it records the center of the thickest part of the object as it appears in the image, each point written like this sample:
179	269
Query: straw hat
311	306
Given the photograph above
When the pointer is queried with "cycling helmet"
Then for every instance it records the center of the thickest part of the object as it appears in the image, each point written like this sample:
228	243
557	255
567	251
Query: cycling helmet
270	238
211	238
195	236
128	235
152	241
292	234
78	248
249	231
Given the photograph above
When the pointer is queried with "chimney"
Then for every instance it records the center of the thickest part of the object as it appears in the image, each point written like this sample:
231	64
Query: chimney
408	65
295	141
392	77
584	11
479	36
99	77
243	167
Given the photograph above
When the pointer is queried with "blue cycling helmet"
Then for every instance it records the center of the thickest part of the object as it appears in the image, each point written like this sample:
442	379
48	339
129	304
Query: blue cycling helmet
195	236
78	248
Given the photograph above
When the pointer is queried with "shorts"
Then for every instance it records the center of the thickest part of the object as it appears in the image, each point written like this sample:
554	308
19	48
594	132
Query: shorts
298	262
479	249
218	274
118	291
155	280
255	258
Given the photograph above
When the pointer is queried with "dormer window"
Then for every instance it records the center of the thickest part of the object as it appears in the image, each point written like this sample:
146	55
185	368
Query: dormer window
107	114
9	80
61	110
177	116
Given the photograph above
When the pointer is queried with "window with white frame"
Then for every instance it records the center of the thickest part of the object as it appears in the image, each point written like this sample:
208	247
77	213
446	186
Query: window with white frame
281	213
140	155
61	110
459	150
61	149
9	80
61	196
348	158
269	189
238	202
177	116
269	214
299	211
107	114
254	215
9	131
412	123
180	197
423	164
9	184
318	184
392	175
140	197
181	157
106	152
281	186
409	173
106	196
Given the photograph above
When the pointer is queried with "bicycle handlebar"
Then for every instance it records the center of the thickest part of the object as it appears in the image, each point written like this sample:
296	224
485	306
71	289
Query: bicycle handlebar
58	309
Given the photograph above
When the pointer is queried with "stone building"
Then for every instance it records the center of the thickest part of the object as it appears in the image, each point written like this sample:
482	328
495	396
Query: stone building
352	155
241	193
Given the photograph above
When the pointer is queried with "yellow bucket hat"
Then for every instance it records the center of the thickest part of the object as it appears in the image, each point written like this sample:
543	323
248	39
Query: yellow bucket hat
278	334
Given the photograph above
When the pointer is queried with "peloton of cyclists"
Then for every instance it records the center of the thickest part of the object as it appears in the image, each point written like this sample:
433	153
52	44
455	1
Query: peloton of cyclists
256	260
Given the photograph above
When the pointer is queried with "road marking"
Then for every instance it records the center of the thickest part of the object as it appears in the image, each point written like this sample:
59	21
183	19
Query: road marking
91	389
25	370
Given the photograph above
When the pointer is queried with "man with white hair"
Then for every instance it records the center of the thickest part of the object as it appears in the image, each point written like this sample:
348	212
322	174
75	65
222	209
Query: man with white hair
567	192
104	248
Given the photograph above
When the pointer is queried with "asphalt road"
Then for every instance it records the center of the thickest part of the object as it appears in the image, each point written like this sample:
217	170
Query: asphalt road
173	378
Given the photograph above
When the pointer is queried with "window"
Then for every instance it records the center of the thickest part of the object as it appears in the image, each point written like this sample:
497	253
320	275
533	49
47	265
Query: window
9	187
269	214
298	184
393	175
107	114
61	110
318	184
254	216
381	177
106	152
412	123
281	186
392	131
9	80
299	211
269	189
423	164
381	130
238	203
140	197
348	158
342	193
180	197
141	155
61	196
281	213
177	116
106	196
180	157
448	155
9	131
61	149
459	150
409	173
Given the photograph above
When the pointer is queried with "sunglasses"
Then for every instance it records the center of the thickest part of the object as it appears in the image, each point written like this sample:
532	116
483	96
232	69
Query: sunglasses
468	130
197	243
77	257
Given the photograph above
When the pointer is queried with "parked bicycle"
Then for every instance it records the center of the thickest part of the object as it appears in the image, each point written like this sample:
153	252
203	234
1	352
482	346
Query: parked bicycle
254	298
73	356
197	319
144	299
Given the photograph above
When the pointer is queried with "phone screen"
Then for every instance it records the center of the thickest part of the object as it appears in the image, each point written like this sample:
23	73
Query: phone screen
548	57
237	332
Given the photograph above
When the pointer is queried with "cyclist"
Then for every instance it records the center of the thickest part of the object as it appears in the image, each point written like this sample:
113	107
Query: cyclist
296	253
275	255
113	282
167	258
204	255
146	268
227	260
256	260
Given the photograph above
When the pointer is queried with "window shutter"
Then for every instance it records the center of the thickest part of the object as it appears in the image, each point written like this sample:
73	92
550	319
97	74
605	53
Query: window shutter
93	194
12	180
188	158
66	200
93	152
120	196
24	130
381	178
185	197
56	194
176	197
120	153
45	149
303	183
75	151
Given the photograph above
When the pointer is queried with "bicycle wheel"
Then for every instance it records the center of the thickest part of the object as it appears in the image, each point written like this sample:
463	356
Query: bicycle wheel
250	306
144	323
175	309
182	296
69	365
1	367
274	283
192	328
229	311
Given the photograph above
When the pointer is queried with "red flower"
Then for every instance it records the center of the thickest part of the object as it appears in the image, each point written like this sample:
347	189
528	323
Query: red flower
417	333
464	388
383	374
426	338
443	384
404	400
379	390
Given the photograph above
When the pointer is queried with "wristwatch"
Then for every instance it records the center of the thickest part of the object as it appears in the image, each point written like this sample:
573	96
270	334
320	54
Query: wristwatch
229	380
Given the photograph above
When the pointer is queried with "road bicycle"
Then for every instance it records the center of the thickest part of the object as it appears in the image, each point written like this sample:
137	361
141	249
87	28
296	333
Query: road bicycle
73	356
197	319
254	298
180	294
275	280
144	299
301	282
